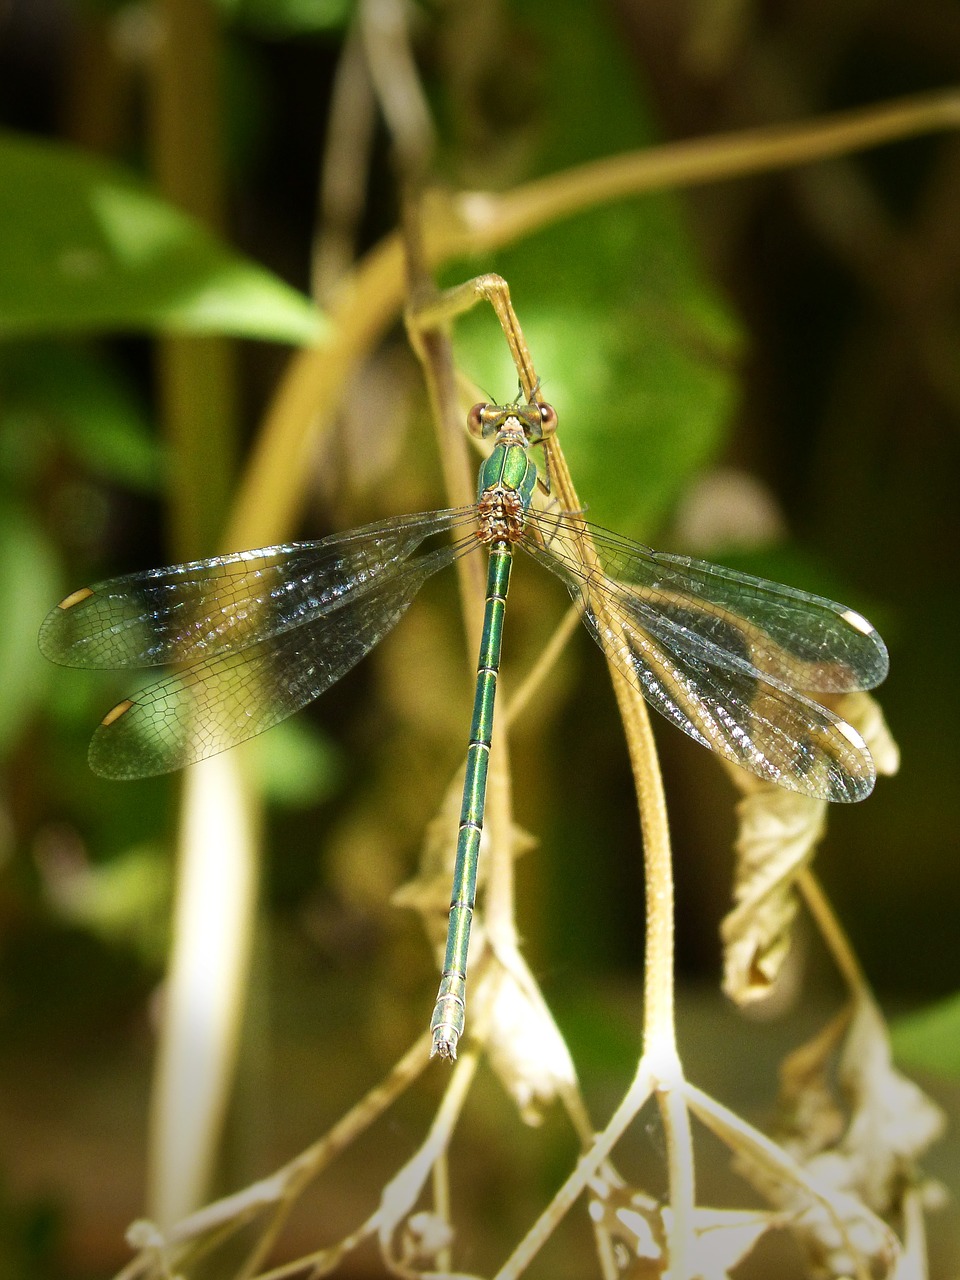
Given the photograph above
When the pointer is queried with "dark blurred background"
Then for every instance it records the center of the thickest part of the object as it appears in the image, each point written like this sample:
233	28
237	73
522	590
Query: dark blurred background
763	371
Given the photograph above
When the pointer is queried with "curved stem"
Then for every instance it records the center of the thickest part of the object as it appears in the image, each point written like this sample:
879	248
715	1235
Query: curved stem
370	299
659	1027
490	221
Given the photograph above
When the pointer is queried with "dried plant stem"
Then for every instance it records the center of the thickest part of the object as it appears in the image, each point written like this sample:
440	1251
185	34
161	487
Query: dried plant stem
197	376
343	178
206	983
429	319
581	1176
272	489
440	1179
660	1060
195	1234
401	1194
372	297
206	988
366	303
833	934
525	693
433	347
491	288
393	69
702	160
660	1051
742	1138
311	1162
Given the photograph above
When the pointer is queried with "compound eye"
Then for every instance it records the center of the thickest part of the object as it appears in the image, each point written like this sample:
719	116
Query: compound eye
475	419
548	419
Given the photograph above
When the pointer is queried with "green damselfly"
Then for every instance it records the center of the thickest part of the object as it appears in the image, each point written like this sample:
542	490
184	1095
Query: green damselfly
254	636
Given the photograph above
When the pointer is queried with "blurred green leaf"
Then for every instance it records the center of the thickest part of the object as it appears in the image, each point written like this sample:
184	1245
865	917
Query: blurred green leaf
297	768
634	346
52	389
930	1039
31	1236
85	247
809	571
124	900
29	580
289	17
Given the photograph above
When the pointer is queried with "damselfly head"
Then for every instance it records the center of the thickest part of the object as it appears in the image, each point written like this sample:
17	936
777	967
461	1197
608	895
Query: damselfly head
535	420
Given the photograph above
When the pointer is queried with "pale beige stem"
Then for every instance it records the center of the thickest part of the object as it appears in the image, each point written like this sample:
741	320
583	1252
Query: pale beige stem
833	934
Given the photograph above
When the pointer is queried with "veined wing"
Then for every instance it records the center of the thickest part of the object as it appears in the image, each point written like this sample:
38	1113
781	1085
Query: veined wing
197	610
726	656
735	620
233	694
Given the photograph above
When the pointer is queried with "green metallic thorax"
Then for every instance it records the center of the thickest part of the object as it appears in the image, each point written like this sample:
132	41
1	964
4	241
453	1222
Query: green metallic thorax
510	469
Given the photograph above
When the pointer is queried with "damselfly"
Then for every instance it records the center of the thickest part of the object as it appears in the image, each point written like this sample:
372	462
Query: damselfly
254	636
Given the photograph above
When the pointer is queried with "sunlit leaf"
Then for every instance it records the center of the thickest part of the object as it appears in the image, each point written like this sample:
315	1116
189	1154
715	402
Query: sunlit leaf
85	247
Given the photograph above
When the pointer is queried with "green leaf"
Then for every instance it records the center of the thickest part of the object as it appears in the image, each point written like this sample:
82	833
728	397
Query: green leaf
297	768
289	17
125	900
634	345
930	1039
29	580
51	389
85	247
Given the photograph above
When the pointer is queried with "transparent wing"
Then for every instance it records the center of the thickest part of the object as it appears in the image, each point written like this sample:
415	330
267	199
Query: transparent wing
234	694
206	607
727	657
737	621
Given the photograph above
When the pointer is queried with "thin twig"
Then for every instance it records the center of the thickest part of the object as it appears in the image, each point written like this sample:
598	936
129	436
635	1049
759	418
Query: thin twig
492	220
346	160
580	1177
833	934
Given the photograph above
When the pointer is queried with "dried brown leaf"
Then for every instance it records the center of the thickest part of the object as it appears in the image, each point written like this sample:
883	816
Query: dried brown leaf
779	831
639	1227
856	1125
428	892
810	1111
864	712
892	1120
525	1047
778	834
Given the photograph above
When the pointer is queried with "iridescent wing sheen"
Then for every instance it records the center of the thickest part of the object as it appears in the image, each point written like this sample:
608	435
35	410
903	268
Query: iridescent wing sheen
253	636
726	657
195	610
